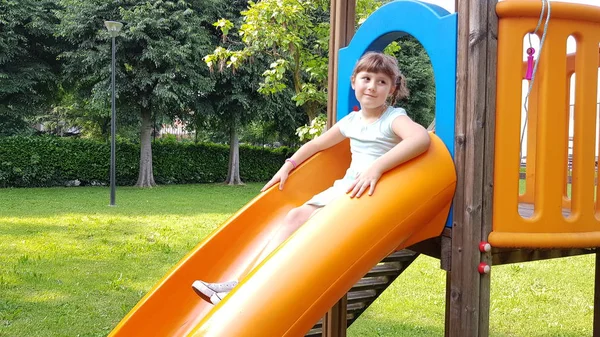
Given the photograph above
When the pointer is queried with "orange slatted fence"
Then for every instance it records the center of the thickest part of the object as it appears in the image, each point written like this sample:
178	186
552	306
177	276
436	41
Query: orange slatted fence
556	220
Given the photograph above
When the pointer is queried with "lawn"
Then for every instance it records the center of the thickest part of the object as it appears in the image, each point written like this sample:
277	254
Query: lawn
73	266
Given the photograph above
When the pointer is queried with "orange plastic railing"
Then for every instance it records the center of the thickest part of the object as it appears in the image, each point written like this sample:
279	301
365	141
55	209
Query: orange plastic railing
547	134
528	195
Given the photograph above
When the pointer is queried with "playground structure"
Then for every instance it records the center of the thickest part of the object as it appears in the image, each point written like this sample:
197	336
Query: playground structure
477	57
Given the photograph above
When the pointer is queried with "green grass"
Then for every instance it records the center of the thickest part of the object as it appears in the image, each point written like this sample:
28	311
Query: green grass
73	266
533	299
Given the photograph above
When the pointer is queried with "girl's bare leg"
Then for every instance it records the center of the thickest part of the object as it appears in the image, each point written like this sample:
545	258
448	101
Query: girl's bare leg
214	292
292	221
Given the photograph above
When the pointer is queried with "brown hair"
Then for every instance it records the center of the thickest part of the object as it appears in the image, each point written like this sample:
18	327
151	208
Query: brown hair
375	62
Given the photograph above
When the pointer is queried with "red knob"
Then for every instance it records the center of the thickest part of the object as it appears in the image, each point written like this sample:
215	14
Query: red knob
484	268
485	247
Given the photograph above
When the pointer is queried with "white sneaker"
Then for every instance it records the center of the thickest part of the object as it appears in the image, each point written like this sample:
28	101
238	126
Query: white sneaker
208	290
217	297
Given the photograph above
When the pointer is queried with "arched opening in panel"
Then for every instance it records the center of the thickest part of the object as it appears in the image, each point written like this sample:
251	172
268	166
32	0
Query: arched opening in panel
415	65
529	115
571	58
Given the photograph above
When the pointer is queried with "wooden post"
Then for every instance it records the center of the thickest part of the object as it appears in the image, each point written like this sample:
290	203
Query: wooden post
335	322
488	170
468	307
342	18
343	14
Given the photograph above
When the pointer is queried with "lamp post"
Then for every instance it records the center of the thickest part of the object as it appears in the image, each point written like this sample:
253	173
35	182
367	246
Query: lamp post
113	28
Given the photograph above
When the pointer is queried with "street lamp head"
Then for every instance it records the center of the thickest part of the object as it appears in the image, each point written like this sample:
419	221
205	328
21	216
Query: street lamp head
113	27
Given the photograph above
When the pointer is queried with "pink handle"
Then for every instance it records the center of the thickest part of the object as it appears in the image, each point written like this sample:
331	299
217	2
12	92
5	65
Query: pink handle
529	73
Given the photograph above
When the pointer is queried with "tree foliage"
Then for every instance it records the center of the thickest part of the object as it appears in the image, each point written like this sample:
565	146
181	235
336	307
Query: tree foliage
416	66
158	52
295	34
311	131
29	71
270	67
159	67
234	104
236	101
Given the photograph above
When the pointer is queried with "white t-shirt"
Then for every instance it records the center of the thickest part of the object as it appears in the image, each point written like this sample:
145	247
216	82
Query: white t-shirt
367	143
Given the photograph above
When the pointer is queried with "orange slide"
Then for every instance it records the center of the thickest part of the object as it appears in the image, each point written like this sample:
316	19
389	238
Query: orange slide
289	292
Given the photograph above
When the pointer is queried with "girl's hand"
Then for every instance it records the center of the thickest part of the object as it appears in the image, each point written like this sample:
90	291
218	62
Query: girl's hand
365	180
279	177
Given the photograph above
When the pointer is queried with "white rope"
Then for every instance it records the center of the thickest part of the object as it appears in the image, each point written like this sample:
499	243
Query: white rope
535	65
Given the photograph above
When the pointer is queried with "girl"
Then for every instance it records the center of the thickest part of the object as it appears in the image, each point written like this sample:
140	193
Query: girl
381	138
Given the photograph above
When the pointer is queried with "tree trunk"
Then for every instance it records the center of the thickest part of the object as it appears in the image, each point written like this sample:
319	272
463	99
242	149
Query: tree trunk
233	173
146	176
312	111
105	129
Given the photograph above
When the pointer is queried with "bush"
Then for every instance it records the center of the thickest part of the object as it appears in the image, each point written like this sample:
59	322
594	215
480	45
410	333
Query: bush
53	161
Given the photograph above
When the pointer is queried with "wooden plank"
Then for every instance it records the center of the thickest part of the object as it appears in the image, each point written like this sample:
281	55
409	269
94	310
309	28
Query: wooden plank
342	30
446	254
332	74
438	247
474	162
430	247
454	280
350	22
342	18
446	249
472	204
334	322
488	158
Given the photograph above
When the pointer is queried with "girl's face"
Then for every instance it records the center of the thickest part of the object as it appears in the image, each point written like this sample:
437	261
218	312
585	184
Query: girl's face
372	89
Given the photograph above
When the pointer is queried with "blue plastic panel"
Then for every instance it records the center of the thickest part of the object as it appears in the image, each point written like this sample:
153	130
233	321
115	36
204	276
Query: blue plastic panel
434	27
436	30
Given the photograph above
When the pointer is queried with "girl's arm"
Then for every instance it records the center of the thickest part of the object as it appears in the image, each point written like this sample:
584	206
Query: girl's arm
328	139
415	141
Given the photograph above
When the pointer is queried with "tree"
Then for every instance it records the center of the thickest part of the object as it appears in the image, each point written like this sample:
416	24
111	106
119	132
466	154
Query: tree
236	103
233	103
159	68
295	34
28	65
416	66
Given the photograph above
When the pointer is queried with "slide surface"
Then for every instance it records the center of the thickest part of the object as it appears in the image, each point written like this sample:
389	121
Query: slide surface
291	290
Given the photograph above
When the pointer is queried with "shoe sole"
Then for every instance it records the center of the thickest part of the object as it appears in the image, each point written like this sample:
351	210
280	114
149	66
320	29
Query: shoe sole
203	291
215	299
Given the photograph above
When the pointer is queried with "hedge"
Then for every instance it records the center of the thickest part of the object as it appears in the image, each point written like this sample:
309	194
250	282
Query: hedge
52	161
